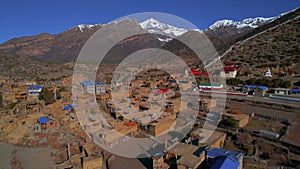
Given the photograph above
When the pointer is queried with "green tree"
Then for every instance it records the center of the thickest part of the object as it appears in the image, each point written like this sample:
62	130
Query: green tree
297	83
47	96
249	148
11	105
230	122
62	89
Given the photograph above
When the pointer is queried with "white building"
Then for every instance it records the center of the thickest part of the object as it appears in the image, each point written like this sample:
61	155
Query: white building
34	90
229	71
268	73
93	87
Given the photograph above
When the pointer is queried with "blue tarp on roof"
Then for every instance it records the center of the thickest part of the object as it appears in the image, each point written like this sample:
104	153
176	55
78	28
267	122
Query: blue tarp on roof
172	81
256	87
224	159
43	120
224	162
216	152
35	87
68	107
295	90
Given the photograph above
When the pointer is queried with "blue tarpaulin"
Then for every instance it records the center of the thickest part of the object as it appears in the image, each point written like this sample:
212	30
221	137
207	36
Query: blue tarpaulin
35	87
224	162
43	120
224	159
90	83
172	81
256	87
68	107
295	90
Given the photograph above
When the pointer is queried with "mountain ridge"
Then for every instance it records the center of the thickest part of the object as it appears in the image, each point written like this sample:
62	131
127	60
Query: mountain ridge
65	46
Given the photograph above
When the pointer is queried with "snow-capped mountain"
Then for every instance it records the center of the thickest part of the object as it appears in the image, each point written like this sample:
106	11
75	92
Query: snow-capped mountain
83	26
249	22
154	26
66	45
150	25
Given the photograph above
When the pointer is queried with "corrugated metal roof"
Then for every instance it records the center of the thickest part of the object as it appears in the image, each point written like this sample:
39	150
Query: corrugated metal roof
216	152
43	120
225	163
295	90
35	87
89	82
256	87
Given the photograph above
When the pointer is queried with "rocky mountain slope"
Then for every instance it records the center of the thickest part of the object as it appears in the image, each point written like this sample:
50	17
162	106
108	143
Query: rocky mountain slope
65	46
62	47
23	68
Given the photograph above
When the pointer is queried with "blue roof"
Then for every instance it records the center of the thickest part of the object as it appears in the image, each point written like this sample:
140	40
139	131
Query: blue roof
295	90
225	162
216	152
68	107
172	80
89	82
256	87
224	159
99	83
35	87
43	120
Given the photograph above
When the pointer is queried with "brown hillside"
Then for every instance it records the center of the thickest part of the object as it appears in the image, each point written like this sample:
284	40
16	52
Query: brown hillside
276	49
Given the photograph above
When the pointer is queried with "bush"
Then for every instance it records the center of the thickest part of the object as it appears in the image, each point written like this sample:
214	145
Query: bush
47	96
62	89
249	148
11	106
269	83
234	82
148	84
297	83
230	122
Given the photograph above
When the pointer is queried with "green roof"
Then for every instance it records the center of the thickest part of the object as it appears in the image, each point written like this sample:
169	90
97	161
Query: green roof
208	84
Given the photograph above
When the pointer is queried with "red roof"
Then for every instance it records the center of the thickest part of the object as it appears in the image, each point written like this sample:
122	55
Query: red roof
161	91
197	73
228	68
204	74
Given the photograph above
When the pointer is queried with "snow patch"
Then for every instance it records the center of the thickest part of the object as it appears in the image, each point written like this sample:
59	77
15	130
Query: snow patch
84	26
249	22
154	26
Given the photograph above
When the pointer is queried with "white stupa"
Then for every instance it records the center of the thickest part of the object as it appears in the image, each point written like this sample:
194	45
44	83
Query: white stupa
268	73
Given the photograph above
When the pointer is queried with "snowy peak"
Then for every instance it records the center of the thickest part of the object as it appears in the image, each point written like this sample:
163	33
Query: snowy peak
154	26
81	27
249	22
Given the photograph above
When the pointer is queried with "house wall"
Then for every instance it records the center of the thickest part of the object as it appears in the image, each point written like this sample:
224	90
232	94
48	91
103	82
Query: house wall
231	74
218	143
281	92
241	162
100	89
90	89
244	121
159	128
92	163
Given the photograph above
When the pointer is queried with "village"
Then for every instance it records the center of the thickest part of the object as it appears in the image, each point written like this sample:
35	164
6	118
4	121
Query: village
257	128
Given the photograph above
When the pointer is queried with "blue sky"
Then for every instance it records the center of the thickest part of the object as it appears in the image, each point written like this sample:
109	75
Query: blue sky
29	17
